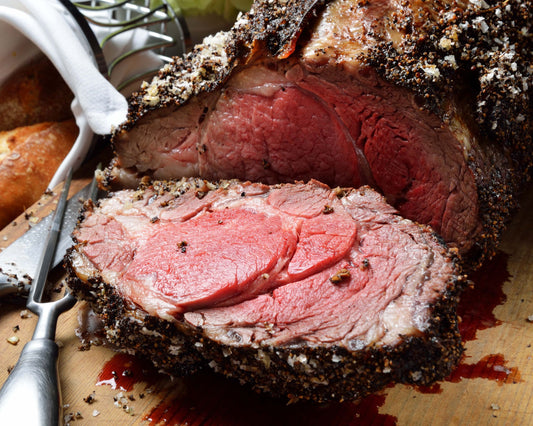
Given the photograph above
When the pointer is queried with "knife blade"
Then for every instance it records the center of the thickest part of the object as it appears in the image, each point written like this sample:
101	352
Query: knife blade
19	262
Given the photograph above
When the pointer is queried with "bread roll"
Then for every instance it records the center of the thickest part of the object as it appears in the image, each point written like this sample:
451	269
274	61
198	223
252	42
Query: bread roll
34	93
29	157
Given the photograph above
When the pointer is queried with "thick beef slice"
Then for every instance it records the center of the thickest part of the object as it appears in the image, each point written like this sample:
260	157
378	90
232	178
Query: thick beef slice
209	260
197	274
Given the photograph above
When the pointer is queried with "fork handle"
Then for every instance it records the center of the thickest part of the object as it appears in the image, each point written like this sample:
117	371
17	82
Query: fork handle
31	394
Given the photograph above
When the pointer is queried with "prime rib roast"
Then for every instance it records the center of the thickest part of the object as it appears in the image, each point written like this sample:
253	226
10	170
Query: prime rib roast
236	238
298	289
428	102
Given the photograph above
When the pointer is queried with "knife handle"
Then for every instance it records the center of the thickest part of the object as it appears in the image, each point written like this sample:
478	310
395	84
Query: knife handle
31	393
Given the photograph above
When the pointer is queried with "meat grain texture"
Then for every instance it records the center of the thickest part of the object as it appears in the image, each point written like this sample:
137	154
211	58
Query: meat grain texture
294	288
428	102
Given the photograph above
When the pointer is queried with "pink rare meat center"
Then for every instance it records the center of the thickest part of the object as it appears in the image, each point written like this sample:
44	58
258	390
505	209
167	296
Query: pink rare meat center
228	255
210	258
268	138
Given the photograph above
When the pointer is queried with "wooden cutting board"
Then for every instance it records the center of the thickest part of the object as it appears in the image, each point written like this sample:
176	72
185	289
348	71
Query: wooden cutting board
492	385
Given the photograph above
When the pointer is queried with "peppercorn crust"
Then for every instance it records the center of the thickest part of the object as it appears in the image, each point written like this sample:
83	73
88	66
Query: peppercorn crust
440	42
295	370
467	62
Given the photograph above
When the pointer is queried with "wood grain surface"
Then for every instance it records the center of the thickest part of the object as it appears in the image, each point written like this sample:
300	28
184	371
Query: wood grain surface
493	385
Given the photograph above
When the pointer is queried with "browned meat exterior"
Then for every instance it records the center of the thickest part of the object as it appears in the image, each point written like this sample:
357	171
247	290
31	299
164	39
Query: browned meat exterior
428	102
295	289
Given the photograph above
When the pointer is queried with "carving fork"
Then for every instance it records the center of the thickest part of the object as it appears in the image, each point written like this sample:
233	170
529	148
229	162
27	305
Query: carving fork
31	394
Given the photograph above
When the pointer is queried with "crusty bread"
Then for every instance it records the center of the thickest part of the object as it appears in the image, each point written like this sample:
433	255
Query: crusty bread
29	157
34	93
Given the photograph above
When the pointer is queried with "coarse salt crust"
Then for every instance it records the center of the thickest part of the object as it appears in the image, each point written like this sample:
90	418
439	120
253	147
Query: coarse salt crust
297	369
446	53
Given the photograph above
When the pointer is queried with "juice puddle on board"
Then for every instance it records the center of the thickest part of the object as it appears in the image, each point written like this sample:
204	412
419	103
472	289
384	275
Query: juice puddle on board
476	310
212	400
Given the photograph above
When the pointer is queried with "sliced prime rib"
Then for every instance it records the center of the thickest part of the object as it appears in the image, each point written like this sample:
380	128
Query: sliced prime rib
427	102
296	289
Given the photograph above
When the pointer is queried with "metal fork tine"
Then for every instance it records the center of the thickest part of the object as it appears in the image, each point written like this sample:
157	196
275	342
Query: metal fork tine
31	394
39	282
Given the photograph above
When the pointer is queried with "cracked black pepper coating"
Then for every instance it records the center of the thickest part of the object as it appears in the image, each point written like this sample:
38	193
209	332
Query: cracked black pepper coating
450	53
297	371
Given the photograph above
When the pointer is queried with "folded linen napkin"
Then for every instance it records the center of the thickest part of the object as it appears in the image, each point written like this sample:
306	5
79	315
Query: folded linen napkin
27	26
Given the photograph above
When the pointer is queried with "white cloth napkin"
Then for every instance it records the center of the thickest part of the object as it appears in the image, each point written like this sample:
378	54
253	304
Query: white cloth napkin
30	25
